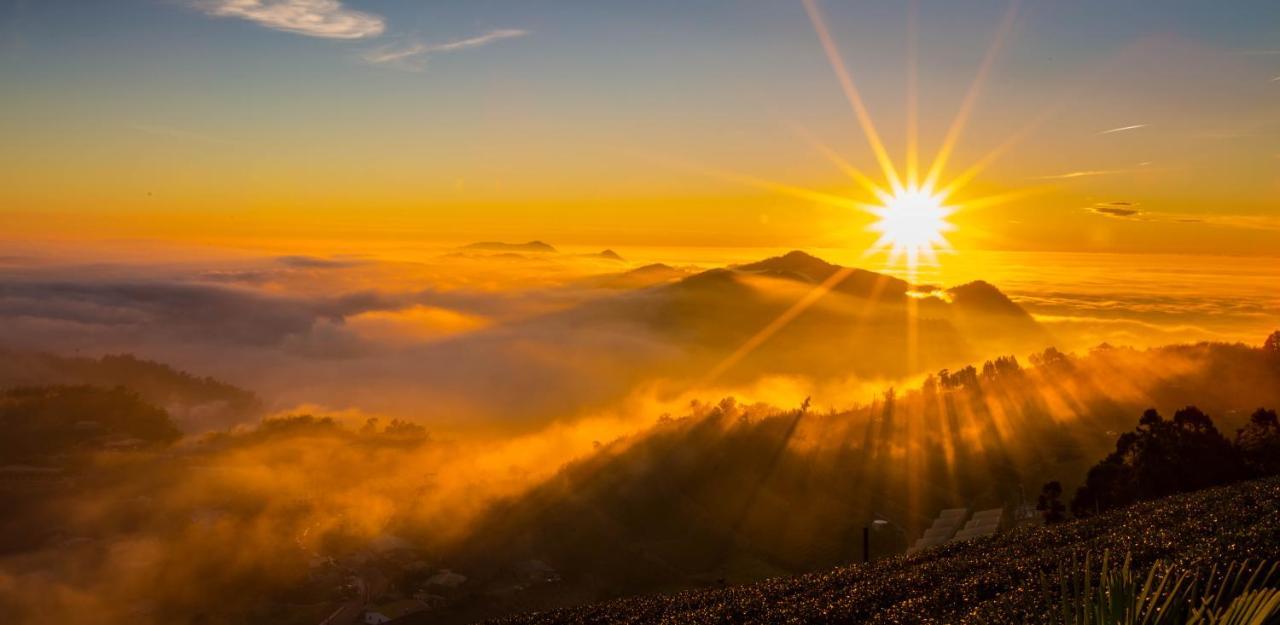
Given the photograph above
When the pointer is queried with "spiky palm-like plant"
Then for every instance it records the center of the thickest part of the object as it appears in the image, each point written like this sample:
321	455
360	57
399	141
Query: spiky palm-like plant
1241	594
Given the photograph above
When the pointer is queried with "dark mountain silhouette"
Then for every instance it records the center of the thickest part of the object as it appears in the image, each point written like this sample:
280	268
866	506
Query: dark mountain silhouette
196	403
500	246
864	313
608	255
797	265
980	296
638	278
974	298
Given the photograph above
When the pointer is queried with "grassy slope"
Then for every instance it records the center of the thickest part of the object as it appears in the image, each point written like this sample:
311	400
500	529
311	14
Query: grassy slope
990	581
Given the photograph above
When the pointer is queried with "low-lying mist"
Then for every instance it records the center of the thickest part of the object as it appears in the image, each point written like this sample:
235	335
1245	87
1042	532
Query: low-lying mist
277	519
481	338
372	422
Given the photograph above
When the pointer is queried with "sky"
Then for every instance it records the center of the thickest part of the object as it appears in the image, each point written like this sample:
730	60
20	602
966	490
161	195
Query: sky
1140	127
273	193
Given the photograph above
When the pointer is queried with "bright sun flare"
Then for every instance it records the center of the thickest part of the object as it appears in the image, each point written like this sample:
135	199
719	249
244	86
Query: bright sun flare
911	224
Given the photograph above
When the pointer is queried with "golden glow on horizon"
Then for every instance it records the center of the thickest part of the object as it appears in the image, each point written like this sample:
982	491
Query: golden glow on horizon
911	215
919	94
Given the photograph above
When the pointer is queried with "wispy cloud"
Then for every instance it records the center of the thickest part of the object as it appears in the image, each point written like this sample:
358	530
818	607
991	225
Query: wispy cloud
1085	173
1129	211
1142	168
1123	129
1116	209
413	55
315	18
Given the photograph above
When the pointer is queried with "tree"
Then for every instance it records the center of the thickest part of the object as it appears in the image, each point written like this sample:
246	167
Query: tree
38	422
1259	443
1272	344
1161	457
930	386
1108	484
1051	358
1004	366
963	378
1050	503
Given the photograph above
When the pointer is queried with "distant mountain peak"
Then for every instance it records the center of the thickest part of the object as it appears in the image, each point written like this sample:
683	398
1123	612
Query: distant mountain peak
984	296
640	277
502	246
717	278
653	268
805	267
796	262
609	254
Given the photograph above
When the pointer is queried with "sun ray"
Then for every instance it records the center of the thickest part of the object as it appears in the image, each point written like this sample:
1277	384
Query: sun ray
852	95
970	99
913	333
1001	198
987	159
912	217
777	324
804	193
913	101
843	165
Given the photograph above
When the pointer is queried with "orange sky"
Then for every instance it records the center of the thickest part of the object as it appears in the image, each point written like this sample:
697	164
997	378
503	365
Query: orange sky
1135	133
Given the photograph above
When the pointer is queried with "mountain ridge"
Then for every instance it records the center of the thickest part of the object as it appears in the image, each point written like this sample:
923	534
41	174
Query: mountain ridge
503	246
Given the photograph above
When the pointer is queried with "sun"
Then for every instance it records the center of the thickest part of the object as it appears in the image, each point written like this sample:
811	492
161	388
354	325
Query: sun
912	223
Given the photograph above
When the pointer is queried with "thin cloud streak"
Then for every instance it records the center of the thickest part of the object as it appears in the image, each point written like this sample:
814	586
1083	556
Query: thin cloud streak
475	42
1085	173
1128	211
411	56
314	18
1123	129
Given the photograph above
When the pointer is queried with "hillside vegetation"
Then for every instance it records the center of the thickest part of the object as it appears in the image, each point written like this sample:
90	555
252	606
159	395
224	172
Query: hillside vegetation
991	581
197	403
736	493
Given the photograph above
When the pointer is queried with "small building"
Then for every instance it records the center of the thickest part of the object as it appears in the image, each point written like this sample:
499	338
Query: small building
389	612
943	528
983	523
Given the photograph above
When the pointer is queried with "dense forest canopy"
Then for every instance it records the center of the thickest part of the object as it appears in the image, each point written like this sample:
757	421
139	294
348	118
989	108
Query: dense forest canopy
42	423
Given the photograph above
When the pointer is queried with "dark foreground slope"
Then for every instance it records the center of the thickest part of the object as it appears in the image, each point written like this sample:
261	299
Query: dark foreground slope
989	581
